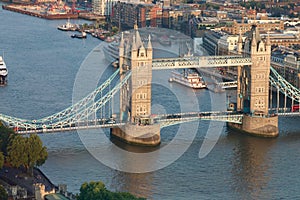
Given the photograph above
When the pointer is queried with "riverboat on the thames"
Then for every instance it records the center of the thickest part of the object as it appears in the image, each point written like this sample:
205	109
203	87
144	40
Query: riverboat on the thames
189	79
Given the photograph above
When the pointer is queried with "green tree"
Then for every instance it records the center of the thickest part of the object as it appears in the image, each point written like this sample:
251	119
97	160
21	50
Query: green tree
1	160
27	152
98	191
114	29
5	134
3	193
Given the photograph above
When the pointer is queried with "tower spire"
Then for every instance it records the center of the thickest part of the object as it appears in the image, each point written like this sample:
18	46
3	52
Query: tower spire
149	46
240	39
133	47
268	39
254	42
122	40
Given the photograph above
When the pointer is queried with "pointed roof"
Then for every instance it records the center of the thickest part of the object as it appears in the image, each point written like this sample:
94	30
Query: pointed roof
253	34
253	39
149	46
122	41
268	39
257	34
138	39
133	47
240	39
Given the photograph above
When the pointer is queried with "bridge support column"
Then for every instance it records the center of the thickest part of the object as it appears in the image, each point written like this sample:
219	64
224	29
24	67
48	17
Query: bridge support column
258	125
148	135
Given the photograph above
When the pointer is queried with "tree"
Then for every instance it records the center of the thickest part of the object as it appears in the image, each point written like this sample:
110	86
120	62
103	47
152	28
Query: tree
27	152
98	191
114	29
1	160
3	193
5	134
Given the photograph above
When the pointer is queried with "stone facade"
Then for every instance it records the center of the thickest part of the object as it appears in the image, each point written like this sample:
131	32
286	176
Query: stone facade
270	25
135	95
141	78
258	126
254	90
138	135
253	87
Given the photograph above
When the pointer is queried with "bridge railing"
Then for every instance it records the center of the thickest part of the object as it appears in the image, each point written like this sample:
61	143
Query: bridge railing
284	86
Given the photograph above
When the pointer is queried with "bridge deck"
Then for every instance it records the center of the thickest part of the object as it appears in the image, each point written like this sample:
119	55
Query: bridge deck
200	61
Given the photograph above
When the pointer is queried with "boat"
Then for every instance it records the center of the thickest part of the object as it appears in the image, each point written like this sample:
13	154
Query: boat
80	36
189	79
67	26
3	72
111	51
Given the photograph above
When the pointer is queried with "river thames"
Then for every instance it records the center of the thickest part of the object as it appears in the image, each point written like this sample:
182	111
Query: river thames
43	64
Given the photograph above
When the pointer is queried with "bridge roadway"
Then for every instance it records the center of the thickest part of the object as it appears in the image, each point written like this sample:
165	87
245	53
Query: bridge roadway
164	119
200	62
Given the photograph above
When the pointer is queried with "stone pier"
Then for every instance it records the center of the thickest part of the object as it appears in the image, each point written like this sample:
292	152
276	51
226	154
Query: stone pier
147	135
258	126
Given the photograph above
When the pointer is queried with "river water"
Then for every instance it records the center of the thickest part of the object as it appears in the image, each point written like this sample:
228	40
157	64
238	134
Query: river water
43	63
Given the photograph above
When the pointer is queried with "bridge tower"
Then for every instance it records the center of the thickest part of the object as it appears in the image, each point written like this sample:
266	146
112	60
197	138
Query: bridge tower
253	86
135	95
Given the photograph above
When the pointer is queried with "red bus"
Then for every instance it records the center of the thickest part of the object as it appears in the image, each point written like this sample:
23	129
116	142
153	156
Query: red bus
295	108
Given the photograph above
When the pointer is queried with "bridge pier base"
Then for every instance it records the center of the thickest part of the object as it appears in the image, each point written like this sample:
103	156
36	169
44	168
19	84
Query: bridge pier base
148	135
258	126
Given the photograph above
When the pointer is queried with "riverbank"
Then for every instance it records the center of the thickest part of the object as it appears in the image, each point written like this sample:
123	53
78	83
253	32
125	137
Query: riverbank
39	11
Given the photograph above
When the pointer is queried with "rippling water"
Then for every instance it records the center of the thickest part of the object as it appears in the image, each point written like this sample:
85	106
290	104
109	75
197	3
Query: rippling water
43	63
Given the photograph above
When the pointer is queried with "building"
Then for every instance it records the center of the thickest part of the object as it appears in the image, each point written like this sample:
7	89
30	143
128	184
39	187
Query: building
270	25
211	40
127	14
101	7
286	61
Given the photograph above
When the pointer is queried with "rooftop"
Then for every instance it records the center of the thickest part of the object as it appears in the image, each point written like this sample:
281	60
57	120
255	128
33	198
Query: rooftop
55	196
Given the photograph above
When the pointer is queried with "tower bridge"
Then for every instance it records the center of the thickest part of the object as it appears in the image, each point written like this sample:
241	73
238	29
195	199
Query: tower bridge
136	123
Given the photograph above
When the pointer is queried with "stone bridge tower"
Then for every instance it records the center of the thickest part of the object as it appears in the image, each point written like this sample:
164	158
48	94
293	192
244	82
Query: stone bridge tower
135	95
141	78
253	86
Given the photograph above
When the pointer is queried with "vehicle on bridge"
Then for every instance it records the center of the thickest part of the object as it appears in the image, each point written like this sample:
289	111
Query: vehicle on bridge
296	108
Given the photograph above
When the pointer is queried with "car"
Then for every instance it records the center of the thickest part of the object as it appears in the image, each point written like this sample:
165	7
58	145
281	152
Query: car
111	121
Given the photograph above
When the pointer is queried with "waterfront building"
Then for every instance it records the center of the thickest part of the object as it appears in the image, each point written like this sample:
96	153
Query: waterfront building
145	14
211	41
269	25
101	7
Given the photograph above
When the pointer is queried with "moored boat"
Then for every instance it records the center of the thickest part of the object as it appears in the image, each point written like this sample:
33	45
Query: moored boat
189	79
67	27
80	36
3	72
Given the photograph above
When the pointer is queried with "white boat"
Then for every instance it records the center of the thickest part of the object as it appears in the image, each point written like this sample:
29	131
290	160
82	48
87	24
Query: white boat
80	36
3	71
67	27
189	79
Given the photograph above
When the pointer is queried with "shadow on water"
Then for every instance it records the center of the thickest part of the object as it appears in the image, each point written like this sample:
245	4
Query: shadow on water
250	165
132	148
139	184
